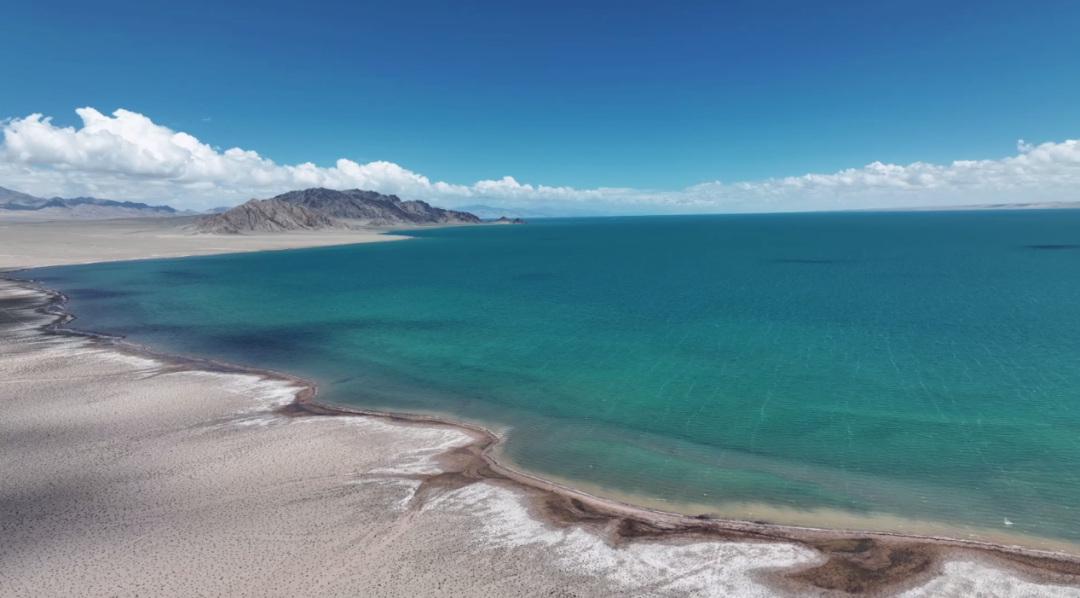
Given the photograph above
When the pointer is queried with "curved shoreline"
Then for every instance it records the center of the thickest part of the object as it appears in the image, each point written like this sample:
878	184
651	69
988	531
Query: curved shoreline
854	561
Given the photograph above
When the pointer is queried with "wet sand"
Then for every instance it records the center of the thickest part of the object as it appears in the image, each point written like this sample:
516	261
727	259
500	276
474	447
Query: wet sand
818	518
131	473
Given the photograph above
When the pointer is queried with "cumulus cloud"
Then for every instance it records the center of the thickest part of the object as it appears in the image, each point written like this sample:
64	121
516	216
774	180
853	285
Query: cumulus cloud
1047	172
128	156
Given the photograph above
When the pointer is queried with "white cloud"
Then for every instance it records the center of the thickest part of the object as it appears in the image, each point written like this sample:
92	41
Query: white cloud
128	156
1048	172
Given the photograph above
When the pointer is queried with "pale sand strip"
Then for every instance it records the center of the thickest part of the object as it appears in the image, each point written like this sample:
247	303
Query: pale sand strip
32	244
125	476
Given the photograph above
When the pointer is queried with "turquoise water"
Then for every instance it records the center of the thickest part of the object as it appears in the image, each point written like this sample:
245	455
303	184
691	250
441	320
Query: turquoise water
794	368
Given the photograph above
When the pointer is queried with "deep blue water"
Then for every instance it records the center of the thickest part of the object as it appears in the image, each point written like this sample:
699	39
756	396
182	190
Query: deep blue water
923	366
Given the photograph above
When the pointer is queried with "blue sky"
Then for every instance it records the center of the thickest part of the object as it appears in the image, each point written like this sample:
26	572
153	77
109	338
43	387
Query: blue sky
630	95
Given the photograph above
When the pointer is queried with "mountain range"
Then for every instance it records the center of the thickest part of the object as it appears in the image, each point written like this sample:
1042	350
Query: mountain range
14	202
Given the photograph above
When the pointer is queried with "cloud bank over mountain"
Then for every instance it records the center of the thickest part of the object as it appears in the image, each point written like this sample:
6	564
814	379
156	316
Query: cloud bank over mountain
128	156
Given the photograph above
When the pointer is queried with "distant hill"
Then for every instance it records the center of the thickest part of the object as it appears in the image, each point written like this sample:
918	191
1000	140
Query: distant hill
87	208
493	212
266	215
7	196
375	208
1044	205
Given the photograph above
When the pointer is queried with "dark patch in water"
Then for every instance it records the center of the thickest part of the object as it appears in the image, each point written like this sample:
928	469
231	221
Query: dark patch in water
286	340
255	343
1051	246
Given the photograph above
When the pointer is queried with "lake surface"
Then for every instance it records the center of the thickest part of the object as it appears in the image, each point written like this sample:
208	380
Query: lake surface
906	371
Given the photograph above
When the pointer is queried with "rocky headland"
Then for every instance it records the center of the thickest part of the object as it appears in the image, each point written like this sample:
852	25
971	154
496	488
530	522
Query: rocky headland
375	208
316	209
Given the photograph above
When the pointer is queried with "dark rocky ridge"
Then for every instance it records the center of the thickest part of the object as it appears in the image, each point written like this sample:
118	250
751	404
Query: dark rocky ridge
379	209
266	215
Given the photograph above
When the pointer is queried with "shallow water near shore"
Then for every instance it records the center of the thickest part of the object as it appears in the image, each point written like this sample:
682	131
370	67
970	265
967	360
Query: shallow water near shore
916	368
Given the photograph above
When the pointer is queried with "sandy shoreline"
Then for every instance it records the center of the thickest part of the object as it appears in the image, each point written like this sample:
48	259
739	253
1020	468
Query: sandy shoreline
512	518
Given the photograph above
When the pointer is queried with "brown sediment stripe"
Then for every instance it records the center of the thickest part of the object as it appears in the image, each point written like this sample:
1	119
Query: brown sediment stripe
853	562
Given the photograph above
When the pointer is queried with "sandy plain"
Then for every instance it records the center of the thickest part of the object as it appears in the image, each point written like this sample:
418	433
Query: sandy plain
31	242
127	473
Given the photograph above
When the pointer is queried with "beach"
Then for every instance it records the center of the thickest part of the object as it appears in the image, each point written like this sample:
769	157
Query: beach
131	473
